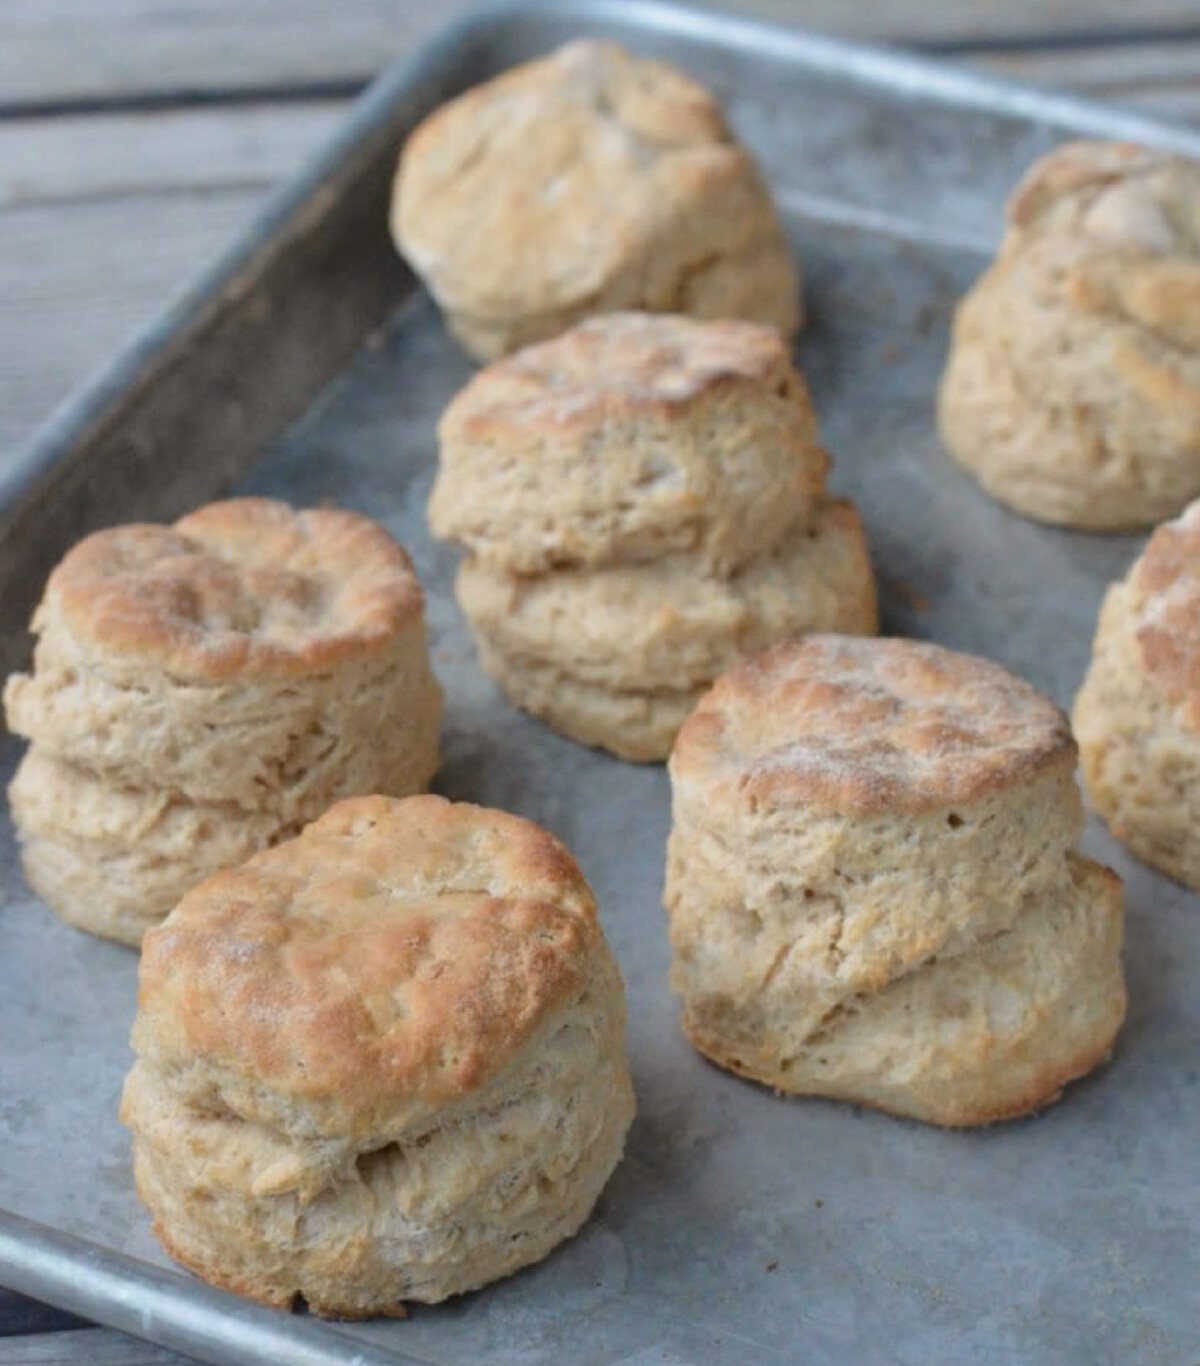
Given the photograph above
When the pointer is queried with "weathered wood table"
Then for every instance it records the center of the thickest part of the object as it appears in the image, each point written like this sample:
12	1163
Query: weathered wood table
137	137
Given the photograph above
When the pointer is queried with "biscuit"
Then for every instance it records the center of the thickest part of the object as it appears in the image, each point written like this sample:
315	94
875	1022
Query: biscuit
382	1062
643	501
588	181
252	661
619	656
872	887
630	437
113	860
1072	390
1137	714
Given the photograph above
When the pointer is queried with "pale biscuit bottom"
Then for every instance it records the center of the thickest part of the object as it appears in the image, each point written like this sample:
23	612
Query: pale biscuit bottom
357	1225
1049	462
758	284
1140	765
617	658
114	860
637	726
991	1033
668	626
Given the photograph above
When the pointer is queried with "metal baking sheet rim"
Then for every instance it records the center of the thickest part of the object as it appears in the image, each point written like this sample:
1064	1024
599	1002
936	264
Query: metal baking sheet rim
169	1308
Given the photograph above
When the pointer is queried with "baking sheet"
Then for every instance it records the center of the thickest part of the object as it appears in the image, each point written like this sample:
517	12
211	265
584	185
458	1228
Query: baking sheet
740	1227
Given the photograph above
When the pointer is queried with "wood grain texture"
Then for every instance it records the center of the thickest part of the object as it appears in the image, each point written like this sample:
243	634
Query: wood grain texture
71	49
77	284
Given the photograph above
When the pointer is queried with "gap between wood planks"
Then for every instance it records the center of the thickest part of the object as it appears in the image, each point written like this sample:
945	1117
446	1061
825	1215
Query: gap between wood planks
179	151
72	49
250	138
1083	56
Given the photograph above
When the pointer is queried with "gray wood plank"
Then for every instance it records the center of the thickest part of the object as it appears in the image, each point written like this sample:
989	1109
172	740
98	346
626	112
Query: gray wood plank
69	159
1179	104
85	1347
252	146
73	49
102	219
64	49
75	284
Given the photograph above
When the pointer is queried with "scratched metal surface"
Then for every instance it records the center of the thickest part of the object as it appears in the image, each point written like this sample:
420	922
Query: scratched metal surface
740	1227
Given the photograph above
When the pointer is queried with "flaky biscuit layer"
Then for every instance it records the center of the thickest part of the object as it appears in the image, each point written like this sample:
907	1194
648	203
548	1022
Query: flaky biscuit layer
619	657
630	437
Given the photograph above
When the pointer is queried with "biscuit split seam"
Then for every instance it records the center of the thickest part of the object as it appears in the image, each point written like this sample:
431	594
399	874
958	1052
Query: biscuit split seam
872	886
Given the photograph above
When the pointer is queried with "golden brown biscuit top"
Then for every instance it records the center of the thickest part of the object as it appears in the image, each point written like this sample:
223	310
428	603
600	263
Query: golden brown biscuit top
388	961
530	191
1114	194
244	587
860	726
617	364
1166	583
1121	226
